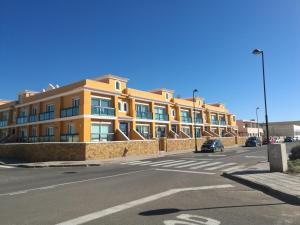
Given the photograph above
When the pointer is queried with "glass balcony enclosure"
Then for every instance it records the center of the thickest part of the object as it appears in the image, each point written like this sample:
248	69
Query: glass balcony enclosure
102	107
143	112
22	119
3	123
185	117
71	111
160	114
69	137
46	115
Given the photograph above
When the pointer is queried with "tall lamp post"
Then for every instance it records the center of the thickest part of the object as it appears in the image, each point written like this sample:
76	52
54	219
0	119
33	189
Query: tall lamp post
194	108
260	52
257	108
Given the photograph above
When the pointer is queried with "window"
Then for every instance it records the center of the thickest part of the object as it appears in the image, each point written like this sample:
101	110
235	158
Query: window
34	132
143	130
71	128
160	131
118	85
173	112
101	132
50	108
198	132
233	118
167	95
125	106
120	106
34	110
186	130
75	102
50	131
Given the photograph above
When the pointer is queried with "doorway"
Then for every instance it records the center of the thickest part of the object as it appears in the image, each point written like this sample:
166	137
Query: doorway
124	128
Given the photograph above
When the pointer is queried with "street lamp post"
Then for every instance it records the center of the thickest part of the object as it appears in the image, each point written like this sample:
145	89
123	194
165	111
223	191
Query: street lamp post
194	119
257	108
260	52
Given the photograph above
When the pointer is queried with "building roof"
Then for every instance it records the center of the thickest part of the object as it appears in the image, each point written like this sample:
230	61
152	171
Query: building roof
162	89
111	76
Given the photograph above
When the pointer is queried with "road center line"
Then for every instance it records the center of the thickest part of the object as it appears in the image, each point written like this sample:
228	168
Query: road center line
67	183
127	205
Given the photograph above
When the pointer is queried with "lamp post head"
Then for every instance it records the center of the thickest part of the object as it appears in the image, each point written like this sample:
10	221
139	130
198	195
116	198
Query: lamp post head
257	108
195	90
257	51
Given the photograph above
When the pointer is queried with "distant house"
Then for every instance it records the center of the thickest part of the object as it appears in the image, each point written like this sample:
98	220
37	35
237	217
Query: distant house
249	128
285	128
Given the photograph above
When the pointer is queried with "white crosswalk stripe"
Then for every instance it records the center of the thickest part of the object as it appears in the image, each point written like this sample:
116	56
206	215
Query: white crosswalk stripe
166	163
188	164
191	164
220	166
232	168
205	165
177	164
6	167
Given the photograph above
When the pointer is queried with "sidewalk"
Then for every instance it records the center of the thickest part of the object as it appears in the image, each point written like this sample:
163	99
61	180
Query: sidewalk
283	186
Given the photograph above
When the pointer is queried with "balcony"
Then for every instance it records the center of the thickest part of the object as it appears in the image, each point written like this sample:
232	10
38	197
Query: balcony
69	138
215	122
161	117
186	119
103	111
198	120
46	115
144	115
102	137
3	123
67	112
223	122
22	119
47	138
32	118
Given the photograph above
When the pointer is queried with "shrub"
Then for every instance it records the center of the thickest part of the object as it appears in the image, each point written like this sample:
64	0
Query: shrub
295	153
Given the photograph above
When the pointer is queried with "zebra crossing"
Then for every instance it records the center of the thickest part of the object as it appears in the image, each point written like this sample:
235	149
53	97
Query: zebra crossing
192	165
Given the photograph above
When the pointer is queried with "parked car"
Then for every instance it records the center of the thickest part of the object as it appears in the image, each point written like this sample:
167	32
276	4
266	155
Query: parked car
212	145
288	139
253	142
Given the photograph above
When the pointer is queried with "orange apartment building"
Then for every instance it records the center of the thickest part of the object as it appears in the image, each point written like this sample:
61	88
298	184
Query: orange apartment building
105	109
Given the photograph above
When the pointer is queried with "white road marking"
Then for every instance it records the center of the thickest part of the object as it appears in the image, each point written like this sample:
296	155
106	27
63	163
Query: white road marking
67	183
255	157
165	163
180	163
241	151
197	158
159	162
205	165
210	155
185	171
187	219
232	168
191	164
131	204
220	166
136	162
7	167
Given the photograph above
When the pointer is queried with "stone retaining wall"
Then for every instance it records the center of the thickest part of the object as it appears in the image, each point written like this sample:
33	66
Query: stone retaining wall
183	144
228	141
96	151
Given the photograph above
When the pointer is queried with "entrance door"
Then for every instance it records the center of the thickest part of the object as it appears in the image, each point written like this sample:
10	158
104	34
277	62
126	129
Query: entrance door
124	128
174	128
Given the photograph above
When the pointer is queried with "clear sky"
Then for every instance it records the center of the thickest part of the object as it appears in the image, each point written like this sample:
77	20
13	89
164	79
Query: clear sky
176	44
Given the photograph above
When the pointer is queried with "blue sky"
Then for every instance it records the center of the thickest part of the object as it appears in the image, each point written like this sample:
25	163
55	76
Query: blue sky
176	44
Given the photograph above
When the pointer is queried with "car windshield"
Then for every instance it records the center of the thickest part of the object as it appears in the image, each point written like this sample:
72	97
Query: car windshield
252	138
209	142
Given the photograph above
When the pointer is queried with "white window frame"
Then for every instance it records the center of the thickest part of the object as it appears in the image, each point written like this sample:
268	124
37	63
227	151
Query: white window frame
75	99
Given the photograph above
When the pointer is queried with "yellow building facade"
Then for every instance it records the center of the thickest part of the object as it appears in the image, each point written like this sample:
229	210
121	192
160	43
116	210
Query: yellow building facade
105	109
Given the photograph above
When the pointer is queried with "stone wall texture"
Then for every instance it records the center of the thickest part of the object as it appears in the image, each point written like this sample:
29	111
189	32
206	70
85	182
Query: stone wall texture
96	151
241	140
183	144
228	141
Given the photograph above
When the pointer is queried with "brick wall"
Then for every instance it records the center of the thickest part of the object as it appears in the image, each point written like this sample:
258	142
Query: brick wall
183	144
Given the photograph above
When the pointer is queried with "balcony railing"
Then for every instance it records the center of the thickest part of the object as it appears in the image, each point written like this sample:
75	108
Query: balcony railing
102	136
162	117
69	138
32	118
33	139
215	122
144	115
103	111
3	123
47	138
22	119
198	120
67	112
46	115
222	122
186	119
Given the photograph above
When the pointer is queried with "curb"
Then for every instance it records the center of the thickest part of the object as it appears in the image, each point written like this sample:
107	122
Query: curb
283	196
48	166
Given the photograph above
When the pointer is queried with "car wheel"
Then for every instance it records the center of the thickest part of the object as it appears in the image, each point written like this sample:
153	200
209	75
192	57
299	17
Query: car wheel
222	149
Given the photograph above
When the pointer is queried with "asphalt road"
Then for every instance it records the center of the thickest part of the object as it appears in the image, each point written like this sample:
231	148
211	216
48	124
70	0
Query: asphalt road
182	189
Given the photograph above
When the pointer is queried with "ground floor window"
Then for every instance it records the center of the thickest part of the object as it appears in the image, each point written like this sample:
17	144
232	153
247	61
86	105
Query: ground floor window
186	130
198	132
160	131
223	132
102	132
144	130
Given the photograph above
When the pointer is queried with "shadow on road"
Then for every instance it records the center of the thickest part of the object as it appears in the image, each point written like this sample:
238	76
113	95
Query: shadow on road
158	212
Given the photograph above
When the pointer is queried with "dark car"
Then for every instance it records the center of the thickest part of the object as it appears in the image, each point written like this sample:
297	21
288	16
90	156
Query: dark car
212	146
288	139
253	142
